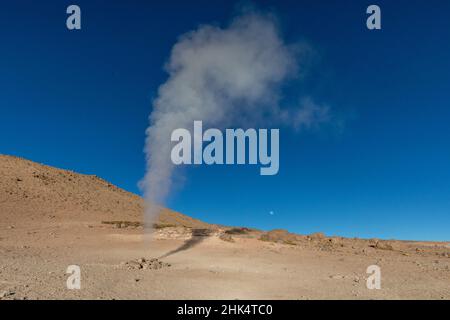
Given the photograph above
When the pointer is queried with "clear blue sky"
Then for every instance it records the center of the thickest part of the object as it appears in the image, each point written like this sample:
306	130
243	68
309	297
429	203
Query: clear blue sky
80	100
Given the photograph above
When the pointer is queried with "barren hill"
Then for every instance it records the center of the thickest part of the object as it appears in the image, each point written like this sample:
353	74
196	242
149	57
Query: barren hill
33	191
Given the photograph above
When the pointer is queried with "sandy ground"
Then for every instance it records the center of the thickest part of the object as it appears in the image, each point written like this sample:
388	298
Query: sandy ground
34	260
48	224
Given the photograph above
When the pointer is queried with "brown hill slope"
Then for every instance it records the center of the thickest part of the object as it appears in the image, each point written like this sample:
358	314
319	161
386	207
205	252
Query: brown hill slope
32	191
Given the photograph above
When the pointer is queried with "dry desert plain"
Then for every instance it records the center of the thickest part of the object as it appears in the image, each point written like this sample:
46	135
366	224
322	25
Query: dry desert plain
52	218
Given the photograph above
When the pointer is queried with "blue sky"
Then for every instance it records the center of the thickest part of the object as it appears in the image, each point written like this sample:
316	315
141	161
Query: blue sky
80	100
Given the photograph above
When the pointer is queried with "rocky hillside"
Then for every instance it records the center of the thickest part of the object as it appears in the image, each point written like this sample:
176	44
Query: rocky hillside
32	191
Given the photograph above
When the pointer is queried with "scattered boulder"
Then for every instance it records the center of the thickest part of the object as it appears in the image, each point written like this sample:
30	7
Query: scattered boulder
238	231
163	225
279	235
201	232
173	233
145	264
226	237
123	224
317	236
379	244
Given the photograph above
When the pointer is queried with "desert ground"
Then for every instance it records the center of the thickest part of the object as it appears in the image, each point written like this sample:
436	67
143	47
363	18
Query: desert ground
52	218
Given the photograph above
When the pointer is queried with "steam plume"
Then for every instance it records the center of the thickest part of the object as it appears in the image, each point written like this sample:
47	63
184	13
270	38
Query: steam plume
221	76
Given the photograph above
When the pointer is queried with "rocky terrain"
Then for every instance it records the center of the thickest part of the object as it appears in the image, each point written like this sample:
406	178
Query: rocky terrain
52	218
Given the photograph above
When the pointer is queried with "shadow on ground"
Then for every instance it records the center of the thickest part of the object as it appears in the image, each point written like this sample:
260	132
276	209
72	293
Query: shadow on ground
198	236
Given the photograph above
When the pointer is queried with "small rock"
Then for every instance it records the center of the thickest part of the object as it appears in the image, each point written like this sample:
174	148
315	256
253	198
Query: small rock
145	264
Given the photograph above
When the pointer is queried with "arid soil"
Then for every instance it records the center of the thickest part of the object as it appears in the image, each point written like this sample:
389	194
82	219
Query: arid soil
52	218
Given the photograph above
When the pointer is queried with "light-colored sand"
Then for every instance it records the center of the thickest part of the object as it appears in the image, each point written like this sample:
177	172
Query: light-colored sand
51	218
